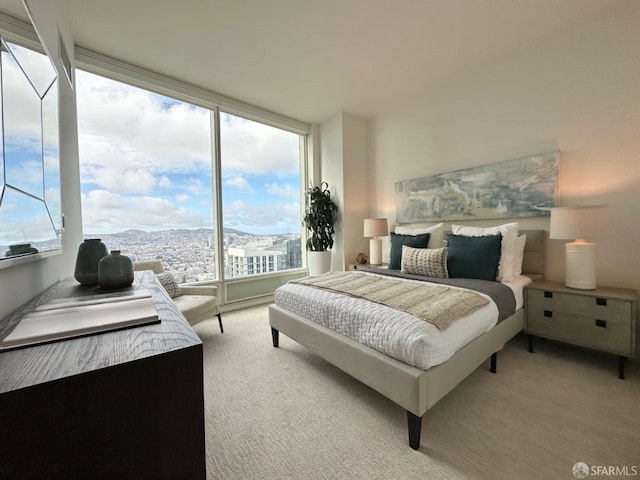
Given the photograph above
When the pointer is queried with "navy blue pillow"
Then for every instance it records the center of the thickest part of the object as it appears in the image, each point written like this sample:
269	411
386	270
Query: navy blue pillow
473	257
397	241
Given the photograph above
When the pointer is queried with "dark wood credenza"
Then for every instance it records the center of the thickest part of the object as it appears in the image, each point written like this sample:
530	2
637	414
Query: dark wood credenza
126	404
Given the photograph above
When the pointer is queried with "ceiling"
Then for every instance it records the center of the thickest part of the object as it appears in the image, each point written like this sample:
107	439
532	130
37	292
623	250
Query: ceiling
310	59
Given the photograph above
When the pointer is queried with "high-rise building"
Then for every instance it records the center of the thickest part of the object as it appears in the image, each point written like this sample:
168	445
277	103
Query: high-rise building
253	261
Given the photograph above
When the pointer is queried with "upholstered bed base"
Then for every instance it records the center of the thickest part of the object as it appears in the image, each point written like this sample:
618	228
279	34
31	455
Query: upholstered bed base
413	389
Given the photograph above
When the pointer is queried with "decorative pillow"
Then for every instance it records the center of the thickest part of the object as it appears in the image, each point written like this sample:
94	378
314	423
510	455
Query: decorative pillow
431	262
509	232
169	284
397	241
473	257
518	255
436	240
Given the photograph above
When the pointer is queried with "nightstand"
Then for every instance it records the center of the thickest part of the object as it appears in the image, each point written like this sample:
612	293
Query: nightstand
603	319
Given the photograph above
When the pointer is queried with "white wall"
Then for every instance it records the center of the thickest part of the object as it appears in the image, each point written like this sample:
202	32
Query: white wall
18	284
332	172
344	153
356	185
578	91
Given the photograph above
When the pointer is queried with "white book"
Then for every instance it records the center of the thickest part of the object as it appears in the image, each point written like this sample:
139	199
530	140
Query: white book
93	299
46	325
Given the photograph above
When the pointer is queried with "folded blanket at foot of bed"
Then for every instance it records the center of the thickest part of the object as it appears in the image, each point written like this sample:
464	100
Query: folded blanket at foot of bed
437	304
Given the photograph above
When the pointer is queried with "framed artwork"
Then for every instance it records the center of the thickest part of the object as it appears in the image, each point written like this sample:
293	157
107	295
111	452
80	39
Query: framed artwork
509	189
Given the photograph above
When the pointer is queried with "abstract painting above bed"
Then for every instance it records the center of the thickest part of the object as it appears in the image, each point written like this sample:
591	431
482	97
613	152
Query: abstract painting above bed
507	189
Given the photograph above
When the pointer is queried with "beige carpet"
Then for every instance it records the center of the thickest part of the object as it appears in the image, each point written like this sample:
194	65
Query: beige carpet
286	414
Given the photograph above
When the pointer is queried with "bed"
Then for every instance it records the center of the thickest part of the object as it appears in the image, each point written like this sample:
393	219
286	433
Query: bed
414	389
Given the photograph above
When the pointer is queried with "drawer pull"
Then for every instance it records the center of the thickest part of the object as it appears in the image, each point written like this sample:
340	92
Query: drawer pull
548	294
601	323
601	301
548	313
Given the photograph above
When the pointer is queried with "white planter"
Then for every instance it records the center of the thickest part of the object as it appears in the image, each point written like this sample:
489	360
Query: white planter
318	262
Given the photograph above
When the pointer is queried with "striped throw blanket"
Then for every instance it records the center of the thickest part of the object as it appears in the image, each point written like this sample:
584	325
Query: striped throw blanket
436	304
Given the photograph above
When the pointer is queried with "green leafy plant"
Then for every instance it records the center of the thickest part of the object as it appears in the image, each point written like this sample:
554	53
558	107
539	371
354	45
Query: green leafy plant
320	217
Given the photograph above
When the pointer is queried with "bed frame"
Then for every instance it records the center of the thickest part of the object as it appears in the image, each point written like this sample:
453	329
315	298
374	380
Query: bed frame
413	389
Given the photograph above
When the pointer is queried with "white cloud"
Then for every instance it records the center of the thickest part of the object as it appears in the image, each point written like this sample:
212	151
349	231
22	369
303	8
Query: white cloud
164	182
105	212
183	197
239	182
25	175
282	191
252	147
124	128
98	199
128	181
283	217
195	187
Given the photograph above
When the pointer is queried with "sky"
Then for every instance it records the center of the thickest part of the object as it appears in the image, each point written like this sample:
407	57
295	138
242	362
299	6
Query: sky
146	163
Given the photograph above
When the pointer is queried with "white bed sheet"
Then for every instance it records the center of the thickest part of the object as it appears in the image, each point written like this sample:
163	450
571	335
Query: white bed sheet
517	285
387	330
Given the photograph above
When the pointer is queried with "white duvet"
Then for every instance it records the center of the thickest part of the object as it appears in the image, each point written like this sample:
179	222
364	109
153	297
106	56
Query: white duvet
392	332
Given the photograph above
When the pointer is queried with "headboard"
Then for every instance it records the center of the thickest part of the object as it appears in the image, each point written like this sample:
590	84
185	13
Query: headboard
534	253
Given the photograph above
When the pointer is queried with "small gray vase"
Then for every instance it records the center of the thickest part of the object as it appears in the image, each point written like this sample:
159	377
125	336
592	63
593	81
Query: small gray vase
115	271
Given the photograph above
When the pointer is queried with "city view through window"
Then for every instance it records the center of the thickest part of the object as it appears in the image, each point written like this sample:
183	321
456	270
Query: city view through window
148	183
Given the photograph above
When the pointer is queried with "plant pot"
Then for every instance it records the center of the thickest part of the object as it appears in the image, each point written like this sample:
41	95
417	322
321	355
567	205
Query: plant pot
318	262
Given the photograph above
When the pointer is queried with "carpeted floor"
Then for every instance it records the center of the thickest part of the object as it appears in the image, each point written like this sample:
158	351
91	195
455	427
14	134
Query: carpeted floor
286	414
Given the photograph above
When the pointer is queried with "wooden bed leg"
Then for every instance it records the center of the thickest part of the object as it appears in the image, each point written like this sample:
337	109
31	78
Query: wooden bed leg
275	337
494	362
621	361
415	428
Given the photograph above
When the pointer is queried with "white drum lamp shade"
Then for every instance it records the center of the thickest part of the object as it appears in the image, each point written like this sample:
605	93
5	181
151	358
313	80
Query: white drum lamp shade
578	224
375	228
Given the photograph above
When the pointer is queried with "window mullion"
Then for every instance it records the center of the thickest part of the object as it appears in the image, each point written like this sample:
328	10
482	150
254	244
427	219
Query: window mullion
217	194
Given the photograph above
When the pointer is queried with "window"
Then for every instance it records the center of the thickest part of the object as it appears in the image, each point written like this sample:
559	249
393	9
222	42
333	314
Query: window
148	168
260	196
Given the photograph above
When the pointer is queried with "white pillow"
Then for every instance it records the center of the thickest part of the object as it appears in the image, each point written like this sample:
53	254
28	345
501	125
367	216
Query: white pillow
509	232
431	262
518	255
436	233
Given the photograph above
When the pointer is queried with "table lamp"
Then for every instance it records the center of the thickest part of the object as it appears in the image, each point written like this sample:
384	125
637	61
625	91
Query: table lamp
375	228
577	224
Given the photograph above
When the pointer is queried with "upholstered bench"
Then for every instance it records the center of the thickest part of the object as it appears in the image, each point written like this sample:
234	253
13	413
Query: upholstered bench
196	302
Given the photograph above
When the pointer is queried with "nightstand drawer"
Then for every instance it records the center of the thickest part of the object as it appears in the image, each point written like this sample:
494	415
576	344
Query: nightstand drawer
612	335
589	306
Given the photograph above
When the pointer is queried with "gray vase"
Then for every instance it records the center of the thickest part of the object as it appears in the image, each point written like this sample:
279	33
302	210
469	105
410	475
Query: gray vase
115	271
90	252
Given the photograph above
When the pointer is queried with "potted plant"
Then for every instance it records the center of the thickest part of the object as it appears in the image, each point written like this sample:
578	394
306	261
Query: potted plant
319	219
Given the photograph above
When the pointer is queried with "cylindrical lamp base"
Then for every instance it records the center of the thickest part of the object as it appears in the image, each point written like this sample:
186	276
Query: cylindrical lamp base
375	251
580	261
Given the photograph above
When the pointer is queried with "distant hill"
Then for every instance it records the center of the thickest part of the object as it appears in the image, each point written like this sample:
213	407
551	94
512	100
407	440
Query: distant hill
185	232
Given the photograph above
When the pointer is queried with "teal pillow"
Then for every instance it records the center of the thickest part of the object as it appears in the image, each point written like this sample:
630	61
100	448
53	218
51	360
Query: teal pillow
397	241
473	257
